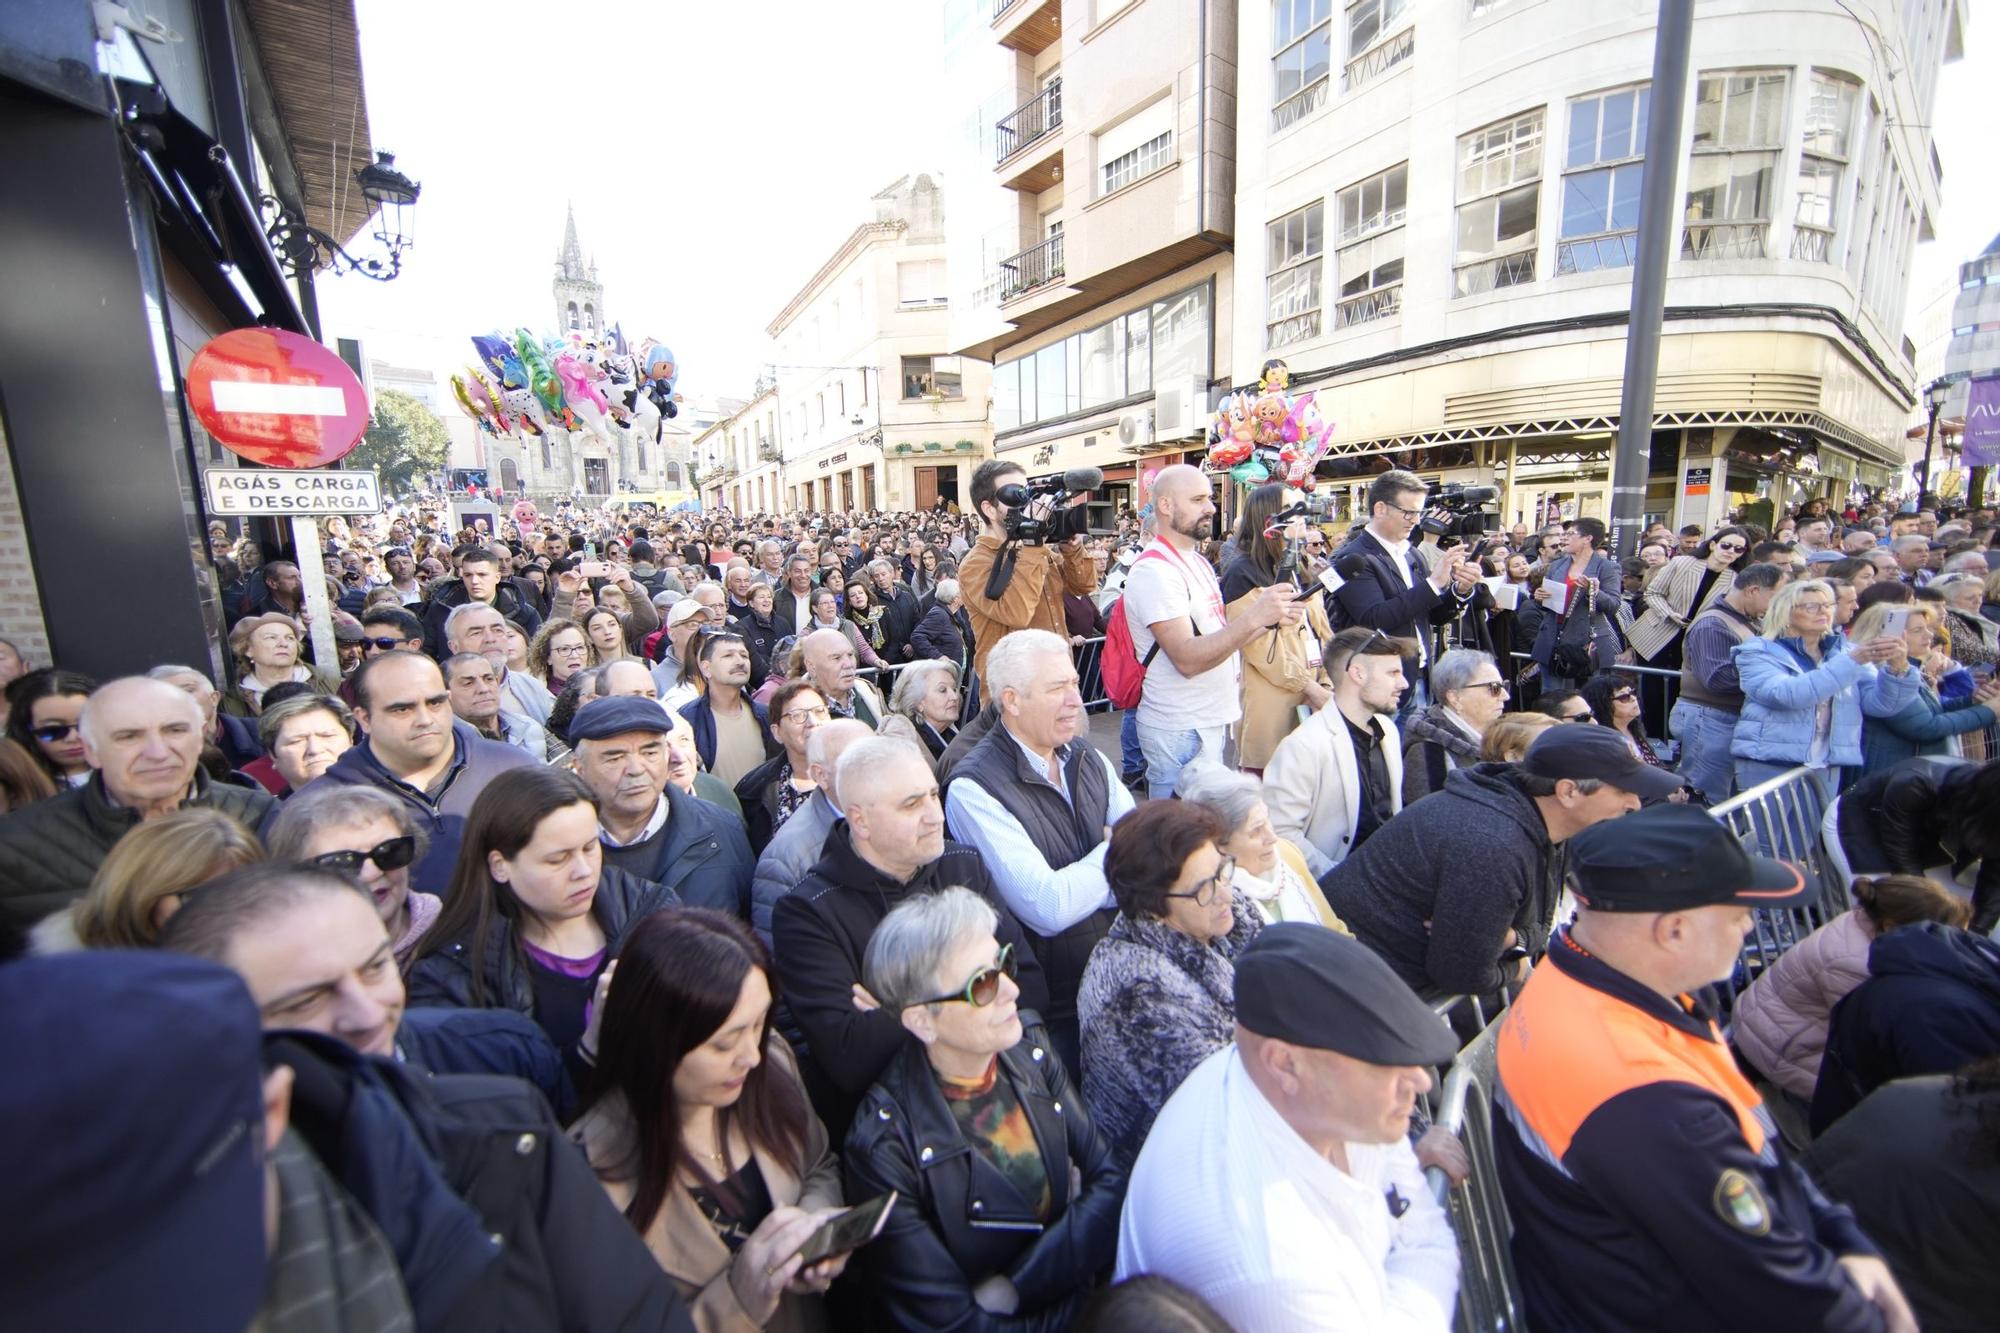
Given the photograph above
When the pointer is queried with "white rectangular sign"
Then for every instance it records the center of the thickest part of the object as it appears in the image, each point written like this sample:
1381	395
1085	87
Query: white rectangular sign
299	400
277	492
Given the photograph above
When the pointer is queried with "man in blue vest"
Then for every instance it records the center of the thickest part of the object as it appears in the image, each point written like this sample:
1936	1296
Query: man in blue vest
1038	801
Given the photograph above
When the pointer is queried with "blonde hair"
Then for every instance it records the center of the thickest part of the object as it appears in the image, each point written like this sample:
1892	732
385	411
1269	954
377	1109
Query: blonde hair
1869	624
1508	737
158	859
1778	616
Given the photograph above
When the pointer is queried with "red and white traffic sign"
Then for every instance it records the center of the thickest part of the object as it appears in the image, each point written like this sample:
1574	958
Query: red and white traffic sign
277	398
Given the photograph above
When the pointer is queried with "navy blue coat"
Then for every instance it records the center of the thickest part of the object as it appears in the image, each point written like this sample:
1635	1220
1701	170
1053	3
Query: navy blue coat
705	856
700	714
477	762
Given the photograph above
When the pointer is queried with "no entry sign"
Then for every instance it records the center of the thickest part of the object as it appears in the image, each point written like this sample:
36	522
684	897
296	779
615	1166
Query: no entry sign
277	398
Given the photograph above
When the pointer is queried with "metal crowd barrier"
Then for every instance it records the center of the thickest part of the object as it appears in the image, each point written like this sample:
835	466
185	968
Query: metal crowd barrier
1089	669
1784	818
1659	687
1488	1292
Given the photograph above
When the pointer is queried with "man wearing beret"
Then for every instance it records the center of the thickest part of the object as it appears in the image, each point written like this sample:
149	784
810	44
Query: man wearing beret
1646	1182
1278	1181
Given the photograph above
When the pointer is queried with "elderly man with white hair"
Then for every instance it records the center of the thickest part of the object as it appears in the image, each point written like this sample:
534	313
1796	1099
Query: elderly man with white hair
1038	801
829	661
143	738
797	844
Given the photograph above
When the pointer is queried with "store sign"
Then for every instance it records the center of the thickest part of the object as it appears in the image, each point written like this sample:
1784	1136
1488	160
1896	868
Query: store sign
277	398
266	493
1698	479
837	458
1981	441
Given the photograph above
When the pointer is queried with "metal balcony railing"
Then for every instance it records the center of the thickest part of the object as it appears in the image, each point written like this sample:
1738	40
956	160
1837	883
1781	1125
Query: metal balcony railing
1002	6
1811	243
1493	274
767	452
1379	59
1369	306
1028	122
1587	254
1723	240
1299	105
1036	266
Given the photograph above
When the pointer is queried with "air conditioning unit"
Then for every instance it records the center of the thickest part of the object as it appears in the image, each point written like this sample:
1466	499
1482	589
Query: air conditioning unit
1135	430
1180	411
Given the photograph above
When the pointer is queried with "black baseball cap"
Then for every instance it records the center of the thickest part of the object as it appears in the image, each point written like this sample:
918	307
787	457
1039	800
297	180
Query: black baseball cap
1581	753
1302	983
1667	858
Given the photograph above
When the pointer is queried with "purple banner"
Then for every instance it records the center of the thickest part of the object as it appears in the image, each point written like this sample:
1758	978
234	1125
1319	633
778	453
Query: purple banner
1981	443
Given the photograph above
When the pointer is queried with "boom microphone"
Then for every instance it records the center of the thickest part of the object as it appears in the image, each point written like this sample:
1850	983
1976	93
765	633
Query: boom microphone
1083	479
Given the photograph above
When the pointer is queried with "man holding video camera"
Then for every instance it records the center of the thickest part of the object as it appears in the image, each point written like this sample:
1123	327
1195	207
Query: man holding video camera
1389	587
1031	595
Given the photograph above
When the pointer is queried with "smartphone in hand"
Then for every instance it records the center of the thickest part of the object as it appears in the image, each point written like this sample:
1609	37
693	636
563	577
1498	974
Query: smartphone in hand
845	1231
594	569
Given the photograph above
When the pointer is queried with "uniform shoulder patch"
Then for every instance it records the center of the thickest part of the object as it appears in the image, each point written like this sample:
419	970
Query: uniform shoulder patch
1741	1203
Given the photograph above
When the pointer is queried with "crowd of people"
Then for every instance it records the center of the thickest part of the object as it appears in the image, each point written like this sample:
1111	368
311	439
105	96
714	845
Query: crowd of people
646	897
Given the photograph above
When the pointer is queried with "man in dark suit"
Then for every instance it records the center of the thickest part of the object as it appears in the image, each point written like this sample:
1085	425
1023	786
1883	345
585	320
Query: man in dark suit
1388	588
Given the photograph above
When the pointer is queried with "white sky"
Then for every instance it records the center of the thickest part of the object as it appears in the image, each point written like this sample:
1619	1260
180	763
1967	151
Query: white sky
717	153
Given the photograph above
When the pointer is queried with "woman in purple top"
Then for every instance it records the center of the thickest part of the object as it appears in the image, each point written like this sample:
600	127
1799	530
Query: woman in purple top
532	915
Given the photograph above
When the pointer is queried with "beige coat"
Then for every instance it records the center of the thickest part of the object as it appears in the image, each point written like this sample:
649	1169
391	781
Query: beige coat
1312	785
684	1242
1668	596
1274	682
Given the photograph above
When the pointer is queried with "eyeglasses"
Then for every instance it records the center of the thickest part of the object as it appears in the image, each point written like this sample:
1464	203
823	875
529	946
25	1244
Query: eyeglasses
566	649
391	855
55	731
1729	546
1204	892
802	714
1812	606
1496	688
384	645
1412	514
983	987
1623	697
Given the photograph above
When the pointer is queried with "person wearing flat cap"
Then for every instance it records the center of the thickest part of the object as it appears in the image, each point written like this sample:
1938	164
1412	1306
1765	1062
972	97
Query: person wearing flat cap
1459	891
1278	1181
1647	1184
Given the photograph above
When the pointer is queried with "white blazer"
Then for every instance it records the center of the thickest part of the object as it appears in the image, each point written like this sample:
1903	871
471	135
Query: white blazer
1313	786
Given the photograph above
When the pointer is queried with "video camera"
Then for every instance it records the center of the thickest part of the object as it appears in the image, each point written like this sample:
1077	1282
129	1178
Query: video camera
1058	522
1312	508
1459	510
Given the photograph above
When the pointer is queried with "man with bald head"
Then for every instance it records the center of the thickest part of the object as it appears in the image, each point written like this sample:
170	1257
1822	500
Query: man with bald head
799	841
1188	644
829	663
143	738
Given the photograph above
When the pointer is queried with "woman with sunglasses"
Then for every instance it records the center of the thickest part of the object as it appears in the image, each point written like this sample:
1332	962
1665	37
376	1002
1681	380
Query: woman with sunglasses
42	711
1009	1197
698	1127
365	833
1682	589
1614	702
1470	695
1158	994
532	914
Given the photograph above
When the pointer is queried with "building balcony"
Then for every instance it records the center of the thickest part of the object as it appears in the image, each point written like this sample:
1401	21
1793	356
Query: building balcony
1492	274
1034	268
768	452
1369	306
1028	26
1587	254
1723	240
1813	244
1378	60
1028	124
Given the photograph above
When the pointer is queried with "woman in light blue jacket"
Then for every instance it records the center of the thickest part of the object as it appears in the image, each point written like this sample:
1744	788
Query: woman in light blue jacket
1926	724
1805	689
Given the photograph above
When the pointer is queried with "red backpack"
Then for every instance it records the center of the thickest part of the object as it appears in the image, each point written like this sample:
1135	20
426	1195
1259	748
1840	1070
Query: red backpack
1123	674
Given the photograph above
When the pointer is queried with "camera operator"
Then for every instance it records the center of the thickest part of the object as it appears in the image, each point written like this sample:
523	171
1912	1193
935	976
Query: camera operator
1388	585
1032	597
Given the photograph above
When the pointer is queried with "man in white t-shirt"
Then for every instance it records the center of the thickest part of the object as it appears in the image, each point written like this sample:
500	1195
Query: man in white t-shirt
1173	602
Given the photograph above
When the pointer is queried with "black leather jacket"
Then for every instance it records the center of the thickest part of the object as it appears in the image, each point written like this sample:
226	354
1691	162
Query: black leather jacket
1916	814
951	1230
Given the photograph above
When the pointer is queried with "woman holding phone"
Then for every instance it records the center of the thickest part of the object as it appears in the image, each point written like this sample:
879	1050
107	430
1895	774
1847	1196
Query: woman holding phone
699	1129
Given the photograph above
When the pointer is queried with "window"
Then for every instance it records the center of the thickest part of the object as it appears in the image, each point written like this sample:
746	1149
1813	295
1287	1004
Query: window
1374	43
1103	355
1367	20
1136	147
1738	124
1052	380
920	282
1499	205
819	406
639	456
840	397
931	377
1292	297
1167	342
1371	247
1823	163
1139	352
1603	170
673	475
1302	47
1181	338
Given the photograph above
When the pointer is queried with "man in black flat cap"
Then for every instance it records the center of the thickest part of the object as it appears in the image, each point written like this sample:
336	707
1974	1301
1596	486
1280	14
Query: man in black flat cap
1648	1187
1459	891
1278	1181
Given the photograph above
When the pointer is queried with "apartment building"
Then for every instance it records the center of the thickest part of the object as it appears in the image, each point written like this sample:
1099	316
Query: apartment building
872	408
1091	252
1440	203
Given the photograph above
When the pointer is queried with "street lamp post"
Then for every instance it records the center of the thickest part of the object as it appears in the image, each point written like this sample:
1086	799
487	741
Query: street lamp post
1934	396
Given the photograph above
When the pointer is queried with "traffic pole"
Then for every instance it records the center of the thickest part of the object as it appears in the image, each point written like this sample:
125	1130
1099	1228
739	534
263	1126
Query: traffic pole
1657	194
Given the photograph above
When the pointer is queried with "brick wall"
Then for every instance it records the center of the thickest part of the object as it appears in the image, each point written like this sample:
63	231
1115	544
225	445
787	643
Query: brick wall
20	597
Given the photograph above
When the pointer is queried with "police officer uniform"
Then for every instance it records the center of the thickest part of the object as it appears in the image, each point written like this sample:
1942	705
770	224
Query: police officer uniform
1646	1181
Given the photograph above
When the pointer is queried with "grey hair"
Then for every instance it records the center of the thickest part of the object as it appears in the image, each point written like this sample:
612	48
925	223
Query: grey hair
1007	664
879	563
1960	580
867	756
166	671
911	943
273	719
1909	541
459	613
1453	670
335	805
827	735
947	591
913	683
707	583
1230	794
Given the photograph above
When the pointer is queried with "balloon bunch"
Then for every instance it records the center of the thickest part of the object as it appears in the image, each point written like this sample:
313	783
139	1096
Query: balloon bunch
524	385
1256	436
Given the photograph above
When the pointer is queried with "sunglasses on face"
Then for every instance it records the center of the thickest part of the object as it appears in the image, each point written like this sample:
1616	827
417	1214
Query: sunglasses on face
383	645
983	986
391	855
1623	697
1729	546
55	731
1496	688
1204	892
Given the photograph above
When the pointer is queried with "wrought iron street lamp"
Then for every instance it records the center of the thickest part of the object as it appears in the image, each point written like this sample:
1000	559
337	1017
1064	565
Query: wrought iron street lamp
1934	395
303	248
